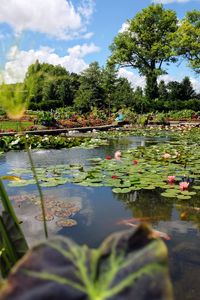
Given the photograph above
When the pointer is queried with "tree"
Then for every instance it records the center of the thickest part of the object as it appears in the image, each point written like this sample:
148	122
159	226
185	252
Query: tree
141	103
146	44
187	90
49	86
123	94
162	91
181	90
187	42
174	90
109	84
90	93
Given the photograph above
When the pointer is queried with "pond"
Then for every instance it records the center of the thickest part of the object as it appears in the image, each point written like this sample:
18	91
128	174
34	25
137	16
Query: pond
98	211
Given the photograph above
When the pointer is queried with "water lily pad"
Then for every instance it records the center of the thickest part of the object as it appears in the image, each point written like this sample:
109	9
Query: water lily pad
62	213
183	197
66	223
121	191
67	204
48	217
196	187
168	195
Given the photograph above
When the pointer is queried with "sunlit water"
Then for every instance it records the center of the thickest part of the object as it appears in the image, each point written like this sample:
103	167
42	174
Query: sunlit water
101	210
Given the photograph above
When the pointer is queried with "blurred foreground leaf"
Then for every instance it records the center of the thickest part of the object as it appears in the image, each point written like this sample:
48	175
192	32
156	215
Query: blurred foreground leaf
128	265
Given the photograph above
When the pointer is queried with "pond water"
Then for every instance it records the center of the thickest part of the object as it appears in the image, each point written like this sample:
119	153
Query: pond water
101	210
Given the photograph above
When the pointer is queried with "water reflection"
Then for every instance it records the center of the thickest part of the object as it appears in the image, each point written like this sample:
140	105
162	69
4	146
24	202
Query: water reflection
101	210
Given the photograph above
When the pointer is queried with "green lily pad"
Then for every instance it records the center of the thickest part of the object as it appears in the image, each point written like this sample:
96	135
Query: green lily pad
183	197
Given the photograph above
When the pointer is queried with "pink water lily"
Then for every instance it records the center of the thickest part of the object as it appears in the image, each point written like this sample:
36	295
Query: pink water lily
183	185
118	155
166	155
171	179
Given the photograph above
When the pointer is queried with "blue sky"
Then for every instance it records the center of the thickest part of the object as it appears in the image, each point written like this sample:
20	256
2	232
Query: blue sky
72	34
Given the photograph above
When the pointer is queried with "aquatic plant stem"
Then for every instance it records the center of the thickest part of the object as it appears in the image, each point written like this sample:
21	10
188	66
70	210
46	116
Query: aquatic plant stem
39	190
37	184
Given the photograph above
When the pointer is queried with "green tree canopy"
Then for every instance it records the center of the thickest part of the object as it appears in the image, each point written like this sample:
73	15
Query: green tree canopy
50	86
187	41
90	93
146	44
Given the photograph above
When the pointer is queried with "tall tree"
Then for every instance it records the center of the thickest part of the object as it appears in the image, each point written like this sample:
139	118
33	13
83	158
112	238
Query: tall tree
187	41
162	90
90	93
187	90
181	90
50	85
109	84
146	44
123	94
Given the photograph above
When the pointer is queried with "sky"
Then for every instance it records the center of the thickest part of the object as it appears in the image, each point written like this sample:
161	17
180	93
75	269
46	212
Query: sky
73	34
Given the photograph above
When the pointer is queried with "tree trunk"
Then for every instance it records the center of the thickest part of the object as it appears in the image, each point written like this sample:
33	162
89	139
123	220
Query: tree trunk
151	89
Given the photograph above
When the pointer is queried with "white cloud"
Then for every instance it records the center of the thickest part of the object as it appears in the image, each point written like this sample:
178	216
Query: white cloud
124	27
58	18
137	80
18	61
134	79
196	84
81	51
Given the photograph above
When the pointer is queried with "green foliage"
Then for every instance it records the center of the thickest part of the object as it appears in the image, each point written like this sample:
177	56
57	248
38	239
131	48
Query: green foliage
181	90
162	91
90	93
187	39
13	99
47	142
146	44
117	269
50	86
14	125
12	242
182	114
123	95
130	115
46	118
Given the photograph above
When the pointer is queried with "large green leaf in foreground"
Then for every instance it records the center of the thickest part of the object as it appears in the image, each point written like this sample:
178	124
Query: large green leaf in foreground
128	265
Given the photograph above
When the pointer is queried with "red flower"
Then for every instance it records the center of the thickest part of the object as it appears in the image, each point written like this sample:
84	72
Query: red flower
183	185
171	179
135	162
108	157
114	177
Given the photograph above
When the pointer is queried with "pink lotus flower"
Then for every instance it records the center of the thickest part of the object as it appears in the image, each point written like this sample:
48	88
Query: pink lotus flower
166	155
183	185
117	155
171	179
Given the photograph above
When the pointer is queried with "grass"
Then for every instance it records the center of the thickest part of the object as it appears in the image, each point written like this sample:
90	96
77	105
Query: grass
14	125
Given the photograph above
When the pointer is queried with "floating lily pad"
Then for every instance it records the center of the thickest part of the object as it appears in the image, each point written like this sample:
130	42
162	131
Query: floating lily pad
168	195
66	223
196	187
121	191
48	217
62	213
183	197
67	204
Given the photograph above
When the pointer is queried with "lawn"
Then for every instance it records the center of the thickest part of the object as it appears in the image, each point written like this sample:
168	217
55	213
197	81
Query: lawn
14	125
